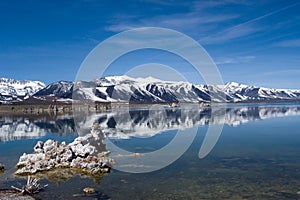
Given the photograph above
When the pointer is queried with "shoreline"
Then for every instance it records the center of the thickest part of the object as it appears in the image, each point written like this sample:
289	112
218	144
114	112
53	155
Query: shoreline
68	108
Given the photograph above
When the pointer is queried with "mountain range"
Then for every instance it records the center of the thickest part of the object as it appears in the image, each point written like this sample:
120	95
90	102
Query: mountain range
140	90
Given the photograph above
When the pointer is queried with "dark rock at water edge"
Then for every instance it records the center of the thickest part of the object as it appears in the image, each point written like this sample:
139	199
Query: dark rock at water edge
1	167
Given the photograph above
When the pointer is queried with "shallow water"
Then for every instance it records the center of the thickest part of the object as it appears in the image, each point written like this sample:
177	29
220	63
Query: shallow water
255	157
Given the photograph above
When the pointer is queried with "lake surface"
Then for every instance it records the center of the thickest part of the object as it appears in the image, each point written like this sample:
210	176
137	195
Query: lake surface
256	156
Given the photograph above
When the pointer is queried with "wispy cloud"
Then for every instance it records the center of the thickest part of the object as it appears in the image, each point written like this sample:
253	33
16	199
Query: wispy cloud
177	21
242	29
208	24
121	27
281	72
230	34
241	59
265	15
289	43
196	17
203	5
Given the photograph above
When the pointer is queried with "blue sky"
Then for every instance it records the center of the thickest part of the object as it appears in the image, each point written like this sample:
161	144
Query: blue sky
252	42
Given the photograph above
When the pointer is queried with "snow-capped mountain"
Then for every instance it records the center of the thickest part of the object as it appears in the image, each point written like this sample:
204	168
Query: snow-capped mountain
17	90
151	90
243	93
61	89
143	90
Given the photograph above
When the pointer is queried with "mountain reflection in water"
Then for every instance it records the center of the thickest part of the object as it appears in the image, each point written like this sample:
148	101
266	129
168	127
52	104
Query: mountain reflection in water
141	122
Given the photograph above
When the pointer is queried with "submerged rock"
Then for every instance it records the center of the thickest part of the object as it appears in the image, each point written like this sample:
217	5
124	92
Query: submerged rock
62	175
11	194
89	190
1	169
86	153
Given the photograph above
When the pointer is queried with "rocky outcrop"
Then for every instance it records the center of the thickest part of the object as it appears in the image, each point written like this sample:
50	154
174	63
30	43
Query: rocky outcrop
87	153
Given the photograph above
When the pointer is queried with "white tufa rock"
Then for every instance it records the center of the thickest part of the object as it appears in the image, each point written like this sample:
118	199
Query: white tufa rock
78	154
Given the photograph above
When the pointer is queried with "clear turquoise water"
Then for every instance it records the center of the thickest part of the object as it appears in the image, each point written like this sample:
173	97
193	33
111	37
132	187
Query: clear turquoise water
258	159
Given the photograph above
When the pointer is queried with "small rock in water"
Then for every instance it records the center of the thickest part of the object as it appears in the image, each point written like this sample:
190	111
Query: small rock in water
137	155
298	192
1	167
89	190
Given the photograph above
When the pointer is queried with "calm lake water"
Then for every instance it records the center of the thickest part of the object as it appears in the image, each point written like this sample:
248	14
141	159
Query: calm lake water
256	156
